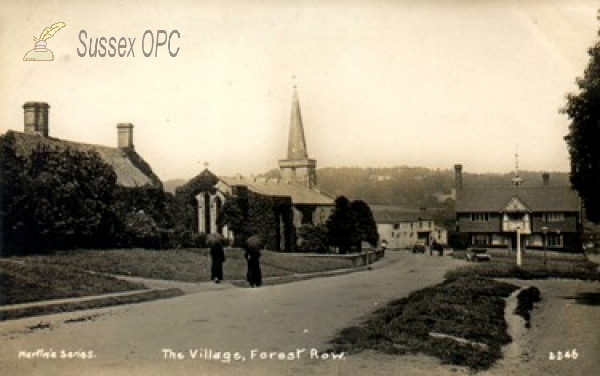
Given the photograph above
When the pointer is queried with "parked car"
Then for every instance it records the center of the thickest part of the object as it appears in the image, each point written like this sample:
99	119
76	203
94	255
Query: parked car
478	254
419	247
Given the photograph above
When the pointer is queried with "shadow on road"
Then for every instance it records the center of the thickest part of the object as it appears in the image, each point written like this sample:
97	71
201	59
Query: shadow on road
586	298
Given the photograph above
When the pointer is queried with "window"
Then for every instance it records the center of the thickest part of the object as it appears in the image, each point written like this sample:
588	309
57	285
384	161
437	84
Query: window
396	226
479	217
515	216
554	240
554	217
480	239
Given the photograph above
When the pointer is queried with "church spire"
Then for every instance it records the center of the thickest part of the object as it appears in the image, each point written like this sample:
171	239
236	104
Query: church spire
297	168
296	140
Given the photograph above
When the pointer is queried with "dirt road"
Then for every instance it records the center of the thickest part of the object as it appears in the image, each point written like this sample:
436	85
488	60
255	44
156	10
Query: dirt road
282	330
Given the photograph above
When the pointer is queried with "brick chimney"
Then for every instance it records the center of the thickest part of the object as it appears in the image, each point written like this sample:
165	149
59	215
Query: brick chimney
36	118
546	179
125	135
458	183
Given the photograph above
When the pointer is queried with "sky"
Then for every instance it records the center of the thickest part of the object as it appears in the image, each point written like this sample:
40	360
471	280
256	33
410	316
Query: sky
423	83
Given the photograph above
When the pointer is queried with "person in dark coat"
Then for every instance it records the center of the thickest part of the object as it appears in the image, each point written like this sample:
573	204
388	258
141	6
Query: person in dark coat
217	255
440	249
252	255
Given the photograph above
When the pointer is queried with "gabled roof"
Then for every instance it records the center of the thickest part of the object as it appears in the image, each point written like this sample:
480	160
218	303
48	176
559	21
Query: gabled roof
131	169
273	187
537	199
205	181
515	205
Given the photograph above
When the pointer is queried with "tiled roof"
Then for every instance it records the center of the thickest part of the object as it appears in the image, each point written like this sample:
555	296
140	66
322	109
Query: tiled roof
538	199
393	214
273	187
131	169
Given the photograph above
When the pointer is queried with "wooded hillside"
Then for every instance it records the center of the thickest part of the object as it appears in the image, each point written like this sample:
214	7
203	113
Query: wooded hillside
411	187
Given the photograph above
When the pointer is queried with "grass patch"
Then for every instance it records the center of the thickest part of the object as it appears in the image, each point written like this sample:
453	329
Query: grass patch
84	272
25	281
533	267
143	296
186	265
296	264
460	321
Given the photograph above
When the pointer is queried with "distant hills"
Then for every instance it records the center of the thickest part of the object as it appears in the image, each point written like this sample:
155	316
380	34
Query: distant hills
410	187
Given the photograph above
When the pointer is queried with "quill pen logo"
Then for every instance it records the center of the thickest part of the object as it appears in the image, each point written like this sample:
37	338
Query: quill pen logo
40	52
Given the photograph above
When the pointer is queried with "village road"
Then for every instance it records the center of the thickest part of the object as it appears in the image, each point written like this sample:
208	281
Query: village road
293	320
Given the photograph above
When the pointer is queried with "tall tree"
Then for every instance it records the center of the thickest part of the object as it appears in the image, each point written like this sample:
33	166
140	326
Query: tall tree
342	226
583	139
365	222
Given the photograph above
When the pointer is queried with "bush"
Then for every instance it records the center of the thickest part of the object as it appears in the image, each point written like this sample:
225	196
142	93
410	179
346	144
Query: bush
312	239
526	299
458	240
57	198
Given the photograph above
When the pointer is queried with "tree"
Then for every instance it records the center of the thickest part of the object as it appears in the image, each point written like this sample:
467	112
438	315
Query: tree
61	198
232	216
342	226
583	139
365	223
11	190
72	192
350	224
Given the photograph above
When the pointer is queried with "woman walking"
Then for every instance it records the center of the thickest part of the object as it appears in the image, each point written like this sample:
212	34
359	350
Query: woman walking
252	255
217	256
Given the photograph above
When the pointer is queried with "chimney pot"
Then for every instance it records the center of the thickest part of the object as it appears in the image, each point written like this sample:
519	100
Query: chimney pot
36	118
458	183
125	135
546	179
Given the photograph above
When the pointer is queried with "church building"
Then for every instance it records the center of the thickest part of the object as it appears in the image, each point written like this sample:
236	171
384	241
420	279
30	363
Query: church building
273	208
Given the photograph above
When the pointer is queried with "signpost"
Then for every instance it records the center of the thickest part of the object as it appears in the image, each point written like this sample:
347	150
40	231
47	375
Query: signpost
545	232
519	256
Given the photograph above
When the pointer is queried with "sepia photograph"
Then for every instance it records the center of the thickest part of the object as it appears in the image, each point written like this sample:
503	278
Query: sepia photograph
263	187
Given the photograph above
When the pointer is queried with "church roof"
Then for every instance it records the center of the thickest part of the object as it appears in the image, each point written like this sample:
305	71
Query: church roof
537	199
276	187
130	168
205	181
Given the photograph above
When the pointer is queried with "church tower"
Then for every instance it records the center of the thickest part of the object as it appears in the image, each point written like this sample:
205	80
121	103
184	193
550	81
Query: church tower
298	168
